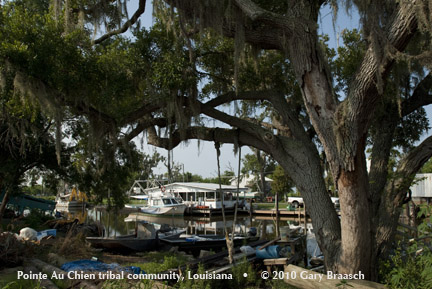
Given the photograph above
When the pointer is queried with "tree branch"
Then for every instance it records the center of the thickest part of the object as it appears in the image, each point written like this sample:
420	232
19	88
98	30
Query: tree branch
365	89
126	25
420	96
244	95
143	125
250	128
145	109
222	135
42	92
258	14
407	169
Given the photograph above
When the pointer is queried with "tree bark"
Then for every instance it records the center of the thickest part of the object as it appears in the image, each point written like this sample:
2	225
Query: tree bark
3	206
355	219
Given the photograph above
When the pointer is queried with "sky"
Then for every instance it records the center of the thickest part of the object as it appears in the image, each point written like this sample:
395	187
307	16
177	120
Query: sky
200	157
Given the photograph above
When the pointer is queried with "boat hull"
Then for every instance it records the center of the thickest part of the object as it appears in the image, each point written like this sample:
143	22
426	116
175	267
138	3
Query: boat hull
164	211
124	243
130	243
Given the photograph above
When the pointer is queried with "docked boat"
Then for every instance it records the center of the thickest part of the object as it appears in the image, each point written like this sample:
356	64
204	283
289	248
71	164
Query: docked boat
123	243
203	198
160	203
195	243
133	242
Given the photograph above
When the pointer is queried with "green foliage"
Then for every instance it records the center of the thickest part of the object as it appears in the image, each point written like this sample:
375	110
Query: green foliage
226	176
10	281
282	183
427	167
169	262
110	169
244	266
199	283
425	213
410	266
251	164
401	84
407	269
36	220
189	177
349	58
265	206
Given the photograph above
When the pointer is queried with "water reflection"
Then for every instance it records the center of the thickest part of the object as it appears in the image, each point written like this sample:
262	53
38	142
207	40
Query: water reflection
118	223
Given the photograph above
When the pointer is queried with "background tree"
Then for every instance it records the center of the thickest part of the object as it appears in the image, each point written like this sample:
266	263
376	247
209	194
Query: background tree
259	165
282	183
427	167
55	73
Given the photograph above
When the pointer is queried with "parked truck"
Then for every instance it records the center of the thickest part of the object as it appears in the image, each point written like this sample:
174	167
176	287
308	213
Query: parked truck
297	202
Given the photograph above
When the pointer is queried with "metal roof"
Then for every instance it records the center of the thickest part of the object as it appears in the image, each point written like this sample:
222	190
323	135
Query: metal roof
196	187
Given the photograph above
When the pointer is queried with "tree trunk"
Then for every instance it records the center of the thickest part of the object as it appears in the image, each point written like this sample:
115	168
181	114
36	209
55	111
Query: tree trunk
355	219
3	206
307	174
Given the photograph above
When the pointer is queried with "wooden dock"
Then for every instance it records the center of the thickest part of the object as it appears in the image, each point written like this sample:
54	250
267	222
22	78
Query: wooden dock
282	213
210	212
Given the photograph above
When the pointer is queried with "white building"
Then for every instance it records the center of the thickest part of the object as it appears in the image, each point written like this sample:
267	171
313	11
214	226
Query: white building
422	188
248	181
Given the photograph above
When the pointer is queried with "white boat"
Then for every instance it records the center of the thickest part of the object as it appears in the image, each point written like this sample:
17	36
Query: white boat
160	203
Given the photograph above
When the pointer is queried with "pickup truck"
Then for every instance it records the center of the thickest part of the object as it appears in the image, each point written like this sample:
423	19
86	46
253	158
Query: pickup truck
298	202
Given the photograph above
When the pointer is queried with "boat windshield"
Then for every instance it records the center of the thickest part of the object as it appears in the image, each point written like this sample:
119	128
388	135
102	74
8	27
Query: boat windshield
174	201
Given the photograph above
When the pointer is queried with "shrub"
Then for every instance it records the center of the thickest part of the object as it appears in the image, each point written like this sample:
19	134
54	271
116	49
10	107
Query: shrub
410	266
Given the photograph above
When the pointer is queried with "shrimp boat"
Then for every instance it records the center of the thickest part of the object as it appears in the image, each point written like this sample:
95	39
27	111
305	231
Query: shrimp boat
160	203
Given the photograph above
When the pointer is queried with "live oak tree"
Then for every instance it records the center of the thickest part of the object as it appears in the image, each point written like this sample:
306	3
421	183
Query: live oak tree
370	201
42	62
230	61
26	142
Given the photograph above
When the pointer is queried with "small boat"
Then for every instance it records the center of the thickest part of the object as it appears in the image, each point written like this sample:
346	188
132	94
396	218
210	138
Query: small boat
160	204
177	222
195	243
132	242
123	243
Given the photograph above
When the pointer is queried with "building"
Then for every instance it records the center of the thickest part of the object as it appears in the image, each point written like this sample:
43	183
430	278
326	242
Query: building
248	181
422	188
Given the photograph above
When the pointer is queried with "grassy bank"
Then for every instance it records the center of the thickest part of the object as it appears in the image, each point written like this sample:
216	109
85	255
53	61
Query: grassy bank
269	206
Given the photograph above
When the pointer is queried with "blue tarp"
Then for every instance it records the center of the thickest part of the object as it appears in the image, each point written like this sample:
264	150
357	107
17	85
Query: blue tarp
90	265
270	252
44	233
